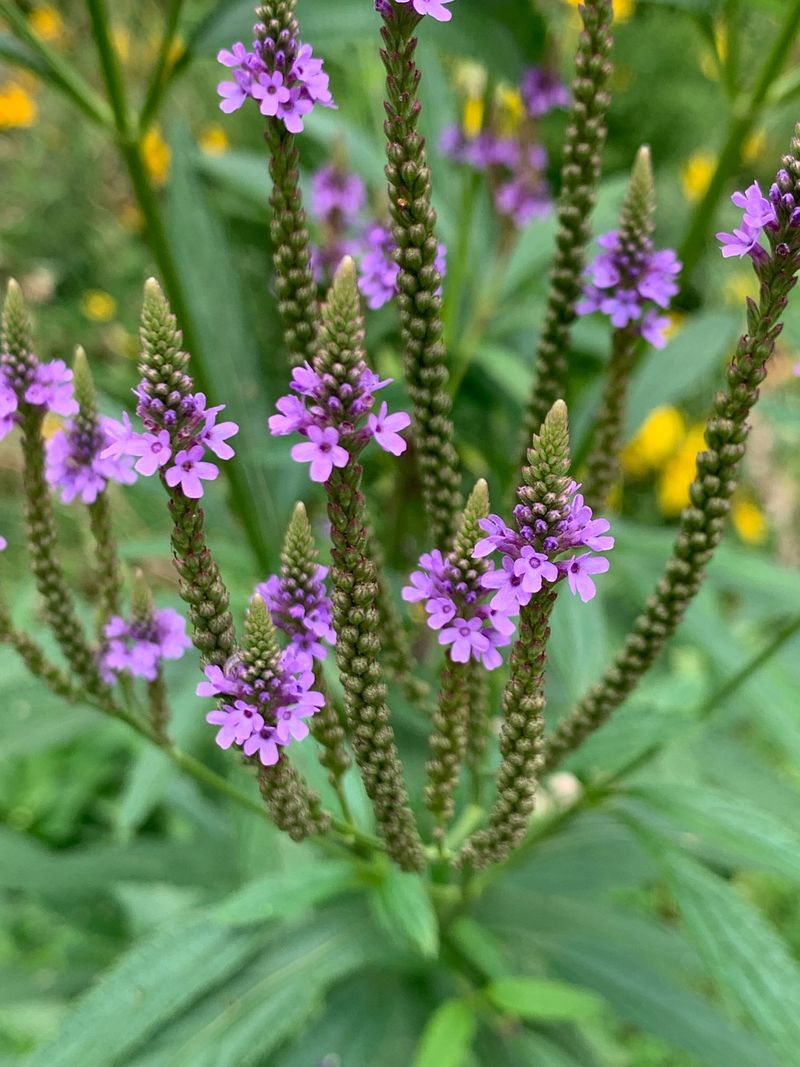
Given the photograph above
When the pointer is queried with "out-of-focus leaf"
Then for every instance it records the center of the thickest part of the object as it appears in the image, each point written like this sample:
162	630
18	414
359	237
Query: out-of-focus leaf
230	360
744	956
147	986
728	826
284	894
578	648
447	1036
692	357
479	946
402	906
15	51
542	998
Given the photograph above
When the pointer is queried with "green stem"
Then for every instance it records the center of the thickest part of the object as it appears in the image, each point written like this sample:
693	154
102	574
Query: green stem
459	261
160	78
61	73
109	63
742	119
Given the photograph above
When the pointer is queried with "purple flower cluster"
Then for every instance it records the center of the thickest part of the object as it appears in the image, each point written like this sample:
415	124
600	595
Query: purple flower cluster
457	606
75	465
264	717
629	284
331	416
337	200
515	163
530	556
140	645
759	213
379	270
178	431
434	8
305	613
283	77
45	385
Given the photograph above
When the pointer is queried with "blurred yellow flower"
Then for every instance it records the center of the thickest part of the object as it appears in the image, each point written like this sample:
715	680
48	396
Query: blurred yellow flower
472	119
679	471
656	440
214	141
754	145
177	47
17	107
121	40
98	306
512	109
46	22
676	322
51	424
157	155
623	9
696	174
738	287
470	78
748	520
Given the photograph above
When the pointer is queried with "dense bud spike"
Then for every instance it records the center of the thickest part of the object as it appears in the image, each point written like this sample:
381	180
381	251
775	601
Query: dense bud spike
419	282
580	175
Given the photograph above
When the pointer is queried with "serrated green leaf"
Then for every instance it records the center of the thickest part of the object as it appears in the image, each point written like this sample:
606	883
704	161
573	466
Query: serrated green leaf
148	985
447	1036
743	954
730	826
285	894
542	998
403	907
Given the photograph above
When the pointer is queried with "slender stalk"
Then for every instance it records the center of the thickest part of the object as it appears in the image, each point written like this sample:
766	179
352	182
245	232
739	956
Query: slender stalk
109	63
61	73
742	119
109	581
160	77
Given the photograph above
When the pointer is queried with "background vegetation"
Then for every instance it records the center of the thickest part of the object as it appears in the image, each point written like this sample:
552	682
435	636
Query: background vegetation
202	936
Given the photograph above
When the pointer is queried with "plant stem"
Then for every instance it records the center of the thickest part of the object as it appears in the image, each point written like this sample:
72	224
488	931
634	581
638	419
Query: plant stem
742	119
160	78
65	76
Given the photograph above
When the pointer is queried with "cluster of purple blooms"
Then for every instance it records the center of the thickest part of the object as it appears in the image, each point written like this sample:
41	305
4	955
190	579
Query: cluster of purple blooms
283	77
48	386
338	199
267	715
304	613
331	416
457	607
759	213
177	434
516	163
530	556
75	465
435	8
139	646
630	284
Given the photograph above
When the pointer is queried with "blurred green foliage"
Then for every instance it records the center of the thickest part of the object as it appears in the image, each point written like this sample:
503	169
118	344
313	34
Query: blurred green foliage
145	922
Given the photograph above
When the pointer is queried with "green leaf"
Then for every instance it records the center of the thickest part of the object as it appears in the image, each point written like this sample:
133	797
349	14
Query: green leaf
579	647
228	354
285	894
402	906
730	826
693	357
541	998
447	1036
746	958
147	986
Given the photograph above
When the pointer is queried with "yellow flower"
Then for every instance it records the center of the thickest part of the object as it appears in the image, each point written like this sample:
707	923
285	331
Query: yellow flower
753	147
512	109
623	9
177	46
696	174
51	424
98	306
748	520
214	140
17	107
657	439
676	321
472	119
738	287
46	22
121	40
678	473
157	155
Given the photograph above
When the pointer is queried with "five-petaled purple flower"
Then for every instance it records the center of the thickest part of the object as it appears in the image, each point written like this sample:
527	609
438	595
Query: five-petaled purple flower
190	471
759	213
140	645
435	8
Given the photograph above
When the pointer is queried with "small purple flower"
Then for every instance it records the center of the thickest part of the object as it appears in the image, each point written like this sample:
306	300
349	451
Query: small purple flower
384	428
215	436
154	450
238	721
534	568
336	193
263	743
322	451
740	242
271	92
578	571
542	91
190	471
8	408
510	593
139	646
434	8
52	388
758	210
3	544
219	682
293	417
379	270
467	638
76	466
293	110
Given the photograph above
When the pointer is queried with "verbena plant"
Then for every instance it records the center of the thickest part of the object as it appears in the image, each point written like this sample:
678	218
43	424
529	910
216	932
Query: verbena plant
437	859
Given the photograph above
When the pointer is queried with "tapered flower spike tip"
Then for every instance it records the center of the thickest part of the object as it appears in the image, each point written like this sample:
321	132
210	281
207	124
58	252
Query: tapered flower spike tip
85	392
262	651
142	604
345	280
546	476
15	337
636	219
